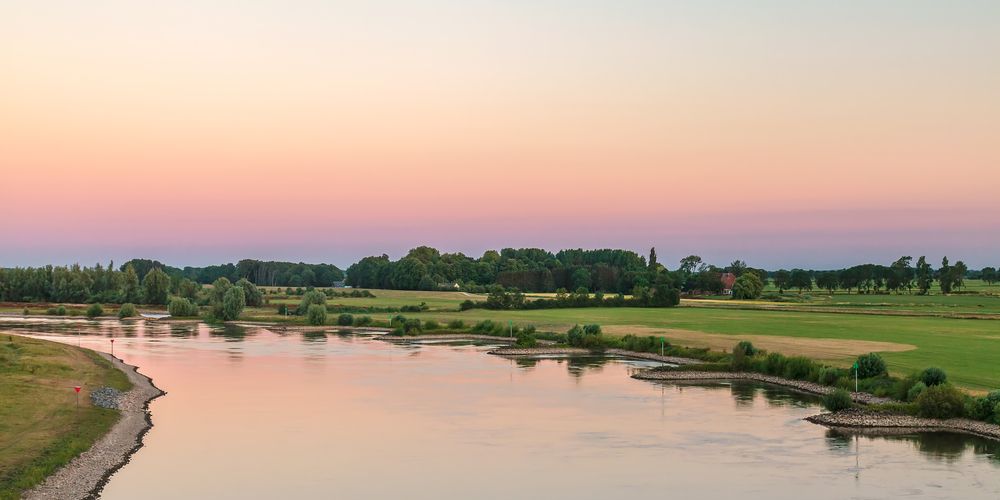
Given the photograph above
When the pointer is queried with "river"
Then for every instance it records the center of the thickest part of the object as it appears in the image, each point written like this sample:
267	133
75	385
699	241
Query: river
256	413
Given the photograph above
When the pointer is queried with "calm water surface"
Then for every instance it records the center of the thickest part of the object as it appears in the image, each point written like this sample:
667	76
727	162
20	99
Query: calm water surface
252	413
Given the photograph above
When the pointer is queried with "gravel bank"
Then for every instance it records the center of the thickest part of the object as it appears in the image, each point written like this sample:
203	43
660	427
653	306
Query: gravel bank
858	397
860	418
86	475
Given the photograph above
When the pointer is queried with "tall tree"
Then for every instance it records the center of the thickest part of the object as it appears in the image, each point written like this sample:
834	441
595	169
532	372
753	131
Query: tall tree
652	258
945	279
782	280
156	286
924	275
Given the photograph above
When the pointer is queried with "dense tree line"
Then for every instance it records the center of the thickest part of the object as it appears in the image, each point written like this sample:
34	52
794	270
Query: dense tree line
77	284
527	269
261	273
898	277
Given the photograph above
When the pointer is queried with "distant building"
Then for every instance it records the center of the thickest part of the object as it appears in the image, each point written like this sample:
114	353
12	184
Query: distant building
728	280
340	284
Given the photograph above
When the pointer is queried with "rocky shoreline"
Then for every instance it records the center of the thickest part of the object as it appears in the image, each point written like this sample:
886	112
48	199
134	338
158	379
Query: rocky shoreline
86	475
866	420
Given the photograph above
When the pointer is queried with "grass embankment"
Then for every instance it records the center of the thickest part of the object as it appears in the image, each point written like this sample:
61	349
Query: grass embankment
41	427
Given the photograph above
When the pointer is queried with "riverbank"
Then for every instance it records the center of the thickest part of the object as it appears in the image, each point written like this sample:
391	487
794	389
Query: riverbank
86	475
868	420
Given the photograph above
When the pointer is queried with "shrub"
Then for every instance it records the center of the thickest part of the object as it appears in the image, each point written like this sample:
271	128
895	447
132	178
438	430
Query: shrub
25	311
412	326
94	311
996	414
345	320
798	368
456	324
828	375
487	327
316	314
56	311
838	399
232	303
740	361
181	307
431	325
870	365
915	391
984	408
941	401
587	336
526	340
933	376
747	347
311	298
774	364
127	310
254	297
362	321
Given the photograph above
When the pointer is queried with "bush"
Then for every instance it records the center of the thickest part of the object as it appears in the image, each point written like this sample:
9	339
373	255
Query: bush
431	325
345	320
747	347
487	327
828	375
25	311
870	365
412	326
915	391
740	361
774	364
233	303
526	340
316	315
838	399
984	408
587	336
181	307
933	376
311	298
362	321
456	324
94	311
127	310
941	401
56	311
798	368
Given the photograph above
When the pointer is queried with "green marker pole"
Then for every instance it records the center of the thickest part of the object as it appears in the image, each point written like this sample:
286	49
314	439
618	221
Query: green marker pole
855	376
663	343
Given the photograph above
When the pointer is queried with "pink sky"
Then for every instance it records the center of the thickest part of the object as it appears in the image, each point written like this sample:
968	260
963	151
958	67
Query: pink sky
784	134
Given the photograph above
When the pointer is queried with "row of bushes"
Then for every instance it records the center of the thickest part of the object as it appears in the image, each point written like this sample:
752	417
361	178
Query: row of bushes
500	299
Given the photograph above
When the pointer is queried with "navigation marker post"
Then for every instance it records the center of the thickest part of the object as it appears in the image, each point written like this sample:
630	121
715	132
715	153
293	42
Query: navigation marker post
855	376
112	348
77	389
663	344
510	323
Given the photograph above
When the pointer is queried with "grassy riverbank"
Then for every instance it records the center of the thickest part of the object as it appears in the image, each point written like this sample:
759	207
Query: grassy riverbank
41	427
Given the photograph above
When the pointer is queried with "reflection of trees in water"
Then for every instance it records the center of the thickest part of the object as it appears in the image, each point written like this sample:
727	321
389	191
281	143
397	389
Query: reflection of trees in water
231	333
526	362
313	337
743	394
937	446
577	366
183	331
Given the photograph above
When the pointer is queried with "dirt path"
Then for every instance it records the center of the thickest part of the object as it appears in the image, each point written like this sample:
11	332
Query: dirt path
86	475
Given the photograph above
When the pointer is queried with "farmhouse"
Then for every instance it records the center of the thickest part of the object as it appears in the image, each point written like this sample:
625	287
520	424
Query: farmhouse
728	280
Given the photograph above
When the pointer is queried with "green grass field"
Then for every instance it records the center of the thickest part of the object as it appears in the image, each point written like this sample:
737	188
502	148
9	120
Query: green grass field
41	428
968	349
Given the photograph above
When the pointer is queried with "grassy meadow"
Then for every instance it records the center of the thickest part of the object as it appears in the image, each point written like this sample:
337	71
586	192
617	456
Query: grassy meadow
41	428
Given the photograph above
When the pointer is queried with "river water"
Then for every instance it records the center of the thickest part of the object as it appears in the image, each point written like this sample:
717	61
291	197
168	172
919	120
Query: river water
255	413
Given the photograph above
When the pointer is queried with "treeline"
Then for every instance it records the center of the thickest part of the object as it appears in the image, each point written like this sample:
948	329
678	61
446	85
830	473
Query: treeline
526	269
261	273
900	276
144	281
